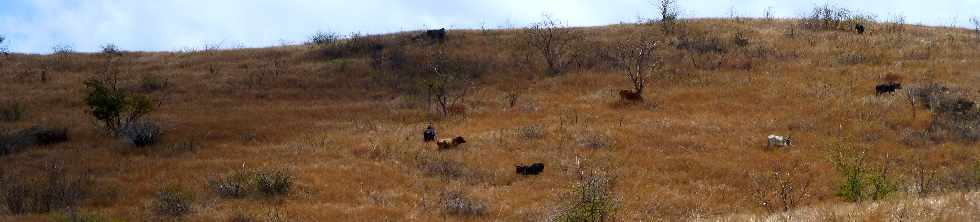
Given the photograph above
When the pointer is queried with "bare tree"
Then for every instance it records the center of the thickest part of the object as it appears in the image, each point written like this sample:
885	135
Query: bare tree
447	85
636	57
668	14
770	13
553	40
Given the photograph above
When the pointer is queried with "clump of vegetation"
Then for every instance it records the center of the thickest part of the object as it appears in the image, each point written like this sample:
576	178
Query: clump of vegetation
595	140
273	183
783	188
531	132
669	12
3	50
111	50
636	58
12	111
264	182
954	115
115	108
37	135
54	189
173	201
829	17
234	186
593	201
554	41
447	169
142	133
458	203
859	181
153	82
323	38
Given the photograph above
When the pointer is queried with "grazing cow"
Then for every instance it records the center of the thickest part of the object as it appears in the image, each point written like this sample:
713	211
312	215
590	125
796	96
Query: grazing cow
436	35
429	134
887	88
859	28
450	143
533	169
779	141
630	96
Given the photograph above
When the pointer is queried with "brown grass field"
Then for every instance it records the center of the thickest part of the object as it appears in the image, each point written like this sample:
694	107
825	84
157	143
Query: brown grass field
695	150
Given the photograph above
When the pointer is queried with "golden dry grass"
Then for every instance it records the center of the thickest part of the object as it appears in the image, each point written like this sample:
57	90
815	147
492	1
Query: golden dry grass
356	153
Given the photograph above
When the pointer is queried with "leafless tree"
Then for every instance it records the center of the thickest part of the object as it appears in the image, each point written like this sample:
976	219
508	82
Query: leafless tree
636	58
783	188
554	41
770	13
447	85
668	14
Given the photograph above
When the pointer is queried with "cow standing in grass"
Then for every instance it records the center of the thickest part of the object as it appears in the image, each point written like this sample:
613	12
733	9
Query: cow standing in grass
450	143
429	134
533	169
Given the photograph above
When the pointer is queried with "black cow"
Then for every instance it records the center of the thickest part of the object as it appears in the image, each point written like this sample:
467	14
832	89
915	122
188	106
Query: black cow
887	88
436	34
533	169
859	28
429	134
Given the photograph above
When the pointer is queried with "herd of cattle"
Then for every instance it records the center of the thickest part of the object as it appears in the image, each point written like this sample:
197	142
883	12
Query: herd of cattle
429	135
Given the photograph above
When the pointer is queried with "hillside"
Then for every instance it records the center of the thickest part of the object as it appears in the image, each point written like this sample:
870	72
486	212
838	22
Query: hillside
344	120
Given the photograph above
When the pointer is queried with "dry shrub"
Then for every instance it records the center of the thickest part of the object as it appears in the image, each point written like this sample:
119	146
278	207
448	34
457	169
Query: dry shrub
459	204
595	140
54	189
12	111
233	186
447	169
555	41
268	183
173	201
531	132
142	133
37	135
273	182
784	187
592	200
954	115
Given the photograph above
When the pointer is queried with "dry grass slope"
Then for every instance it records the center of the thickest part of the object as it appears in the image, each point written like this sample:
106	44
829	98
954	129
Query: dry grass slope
346	124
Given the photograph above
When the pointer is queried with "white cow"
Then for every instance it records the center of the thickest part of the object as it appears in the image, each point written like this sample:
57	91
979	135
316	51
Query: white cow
779	141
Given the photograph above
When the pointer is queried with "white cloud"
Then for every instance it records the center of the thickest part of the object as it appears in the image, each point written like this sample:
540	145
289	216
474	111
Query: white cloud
175	24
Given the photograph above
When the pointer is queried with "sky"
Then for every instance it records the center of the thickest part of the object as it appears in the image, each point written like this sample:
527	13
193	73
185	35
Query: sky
37	26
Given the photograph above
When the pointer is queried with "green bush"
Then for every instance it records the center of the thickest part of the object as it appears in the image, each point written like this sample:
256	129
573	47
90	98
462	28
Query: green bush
858	182
117	109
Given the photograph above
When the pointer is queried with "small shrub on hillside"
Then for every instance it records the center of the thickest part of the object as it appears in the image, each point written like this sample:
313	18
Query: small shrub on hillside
115	107
701	42
860	183
554	41
33	136
594	140
458	203
783	188
153	82
142	133
173	202
354	45
111	50
273	183
828	17
954	115
56	189
323	38
233	186
593	200
531	132
447	169
12	111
